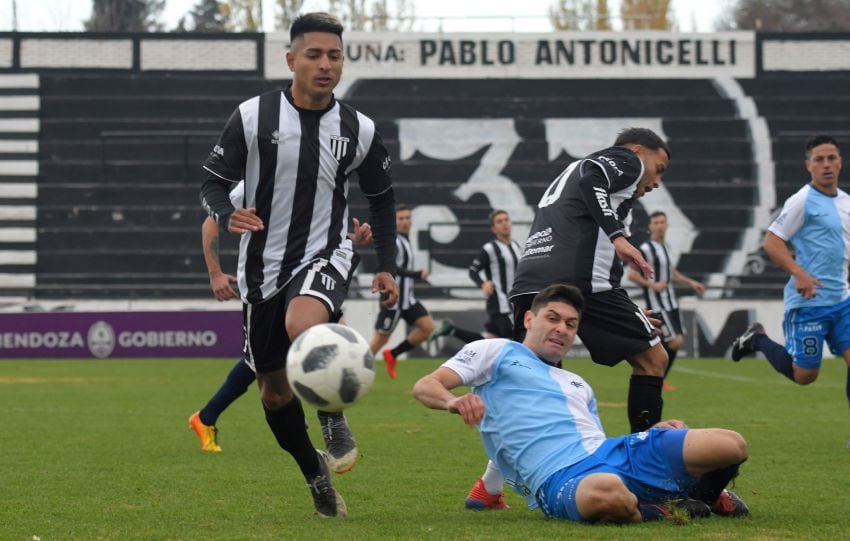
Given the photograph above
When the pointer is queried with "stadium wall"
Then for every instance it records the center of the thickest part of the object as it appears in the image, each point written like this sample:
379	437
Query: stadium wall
438	133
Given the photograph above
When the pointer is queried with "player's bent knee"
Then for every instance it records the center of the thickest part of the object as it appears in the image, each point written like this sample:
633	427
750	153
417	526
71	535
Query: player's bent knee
275	401
604	497
805	379
740	451
732	446
651	362
676	343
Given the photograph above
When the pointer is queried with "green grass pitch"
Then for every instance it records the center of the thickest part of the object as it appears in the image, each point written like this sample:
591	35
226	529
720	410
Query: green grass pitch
101	450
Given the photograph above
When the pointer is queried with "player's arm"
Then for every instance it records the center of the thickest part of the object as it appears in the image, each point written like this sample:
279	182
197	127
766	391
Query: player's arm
224	168
784	227
681	278
219	281
434	391
482	264
376	185
595	192
639	280
778	252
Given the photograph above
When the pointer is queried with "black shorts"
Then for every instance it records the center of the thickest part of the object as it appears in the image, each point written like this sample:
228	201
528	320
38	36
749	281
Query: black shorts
671	323
500	325
388	319
612	327
264	324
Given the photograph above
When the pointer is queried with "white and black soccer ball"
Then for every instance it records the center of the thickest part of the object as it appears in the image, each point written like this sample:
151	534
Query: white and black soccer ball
330	366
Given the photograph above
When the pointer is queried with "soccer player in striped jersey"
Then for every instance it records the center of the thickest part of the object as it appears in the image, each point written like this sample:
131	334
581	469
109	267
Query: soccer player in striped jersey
241	376
408	307
497	262
541	425
659	292
493	272
297	150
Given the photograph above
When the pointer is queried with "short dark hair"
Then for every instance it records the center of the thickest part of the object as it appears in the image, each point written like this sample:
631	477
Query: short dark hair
644	137
496	212
657	213
559	293
819	140
402	206
317	21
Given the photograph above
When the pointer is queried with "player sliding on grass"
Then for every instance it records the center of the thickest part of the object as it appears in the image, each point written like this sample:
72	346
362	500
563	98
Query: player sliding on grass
541	426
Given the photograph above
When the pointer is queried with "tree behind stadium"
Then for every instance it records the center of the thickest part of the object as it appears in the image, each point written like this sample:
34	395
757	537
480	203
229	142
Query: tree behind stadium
125	16
787	16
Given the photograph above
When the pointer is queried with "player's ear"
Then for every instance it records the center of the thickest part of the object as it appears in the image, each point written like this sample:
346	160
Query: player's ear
290	60
529	316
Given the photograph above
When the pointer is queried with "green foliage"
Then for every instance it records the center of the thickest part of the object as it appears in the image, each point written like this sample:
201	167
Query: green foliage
125	16
101	450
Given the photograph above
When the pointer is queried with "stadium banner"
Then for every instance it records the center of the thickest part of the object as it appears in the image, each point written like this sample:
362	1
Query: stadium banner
120	334
552	55
204	329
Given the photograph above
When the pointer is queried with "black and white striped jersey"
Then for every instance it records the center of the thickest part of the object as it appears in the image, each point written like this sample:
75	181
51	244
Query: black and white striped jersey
578	217
297	164
406	273
657	254
497	262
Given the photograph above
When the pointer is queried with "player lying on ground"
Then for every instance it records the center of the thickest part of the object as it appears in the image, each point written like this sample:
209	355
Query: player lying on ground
541	426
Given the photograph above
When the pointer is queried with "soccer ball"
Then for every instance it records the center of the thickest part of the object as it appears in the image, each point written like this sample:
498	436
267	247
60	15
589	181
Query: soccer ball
330	366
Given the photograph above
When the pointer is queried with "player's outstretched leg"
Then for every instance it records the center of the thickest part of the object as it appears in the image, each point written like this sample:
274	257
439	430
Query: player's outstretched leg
342	449
743	345
326	499
445	327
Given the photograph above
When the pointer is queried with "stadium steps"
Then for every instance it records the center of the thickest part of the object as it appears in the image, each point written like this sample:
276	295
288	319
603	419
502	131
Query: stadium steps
119	181
795	108
712	165
126	205
19	168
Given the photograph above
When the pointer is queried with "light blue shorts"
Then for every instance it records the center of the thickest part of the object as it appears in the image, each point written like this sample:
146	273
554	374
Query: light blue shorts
651	465
807	328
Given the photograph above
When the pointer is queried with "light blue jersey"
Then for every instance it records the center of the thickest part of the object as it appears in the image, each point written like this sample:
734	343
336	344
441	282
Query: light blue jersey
555	426
818	227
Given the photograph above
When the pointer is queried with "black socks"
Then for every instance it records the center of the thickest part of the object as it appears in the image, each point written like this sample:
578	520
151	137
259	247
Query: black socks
645	402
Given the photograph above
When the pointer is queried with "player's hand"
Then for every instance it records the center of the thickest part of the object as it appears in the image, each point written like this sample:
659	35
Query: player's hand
632	257
658	286
243	220
469	406
670	423
424	274
654	321
488	288
384	283
362	234
220	284
698	288
806	285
